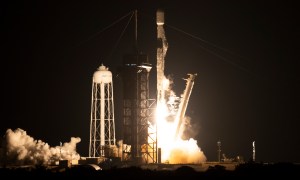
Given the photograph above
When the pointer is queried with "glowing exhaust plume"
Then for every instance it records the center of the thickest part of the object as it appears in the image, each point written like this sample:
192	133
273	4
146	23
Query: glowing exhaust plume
21	149
174	148
169	131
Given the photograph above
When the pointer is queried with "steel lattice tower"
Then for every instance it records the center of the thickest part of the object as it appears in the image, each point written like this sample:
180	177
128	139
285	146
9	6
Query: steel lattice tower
139	140
102	125
138	110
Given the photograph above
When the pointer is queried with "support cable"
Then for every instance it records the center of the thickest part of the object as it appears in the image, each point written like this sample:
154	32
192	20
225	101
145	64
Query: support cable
104	29
212	52
120	37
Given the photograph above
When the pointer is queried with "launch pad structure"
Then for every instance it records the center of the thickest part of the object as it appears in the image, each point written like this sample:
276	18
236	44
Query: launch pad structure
138	111
139	144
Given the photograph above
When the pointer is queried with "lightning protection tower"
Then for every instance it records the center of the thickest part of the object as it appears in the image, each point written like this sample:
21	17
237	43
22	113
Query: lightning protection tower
139	146
102	125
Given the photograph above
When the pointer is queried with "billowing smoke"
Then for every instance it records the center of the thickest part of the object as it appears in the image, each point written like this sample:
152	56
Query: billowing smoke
21	149
176	149
190	129
186	152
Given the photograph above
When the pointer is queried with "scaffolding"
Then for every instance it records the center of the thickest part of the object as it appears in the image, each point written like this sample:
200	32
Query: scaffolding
139	140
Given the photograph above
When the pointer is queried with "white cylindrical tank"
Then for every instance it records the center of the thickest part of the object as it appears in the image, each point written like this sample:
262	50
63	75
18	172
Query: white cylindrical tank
102	75
160	17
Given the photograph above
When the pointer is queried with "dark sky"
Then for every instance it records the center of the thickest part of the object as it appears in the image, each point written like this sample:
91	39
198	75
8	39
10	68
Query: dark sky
245	54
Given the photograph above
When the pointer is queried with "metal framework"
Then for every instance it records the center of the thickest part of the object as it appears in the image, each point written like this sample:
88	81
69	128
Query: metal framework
184	102
102	125
139	144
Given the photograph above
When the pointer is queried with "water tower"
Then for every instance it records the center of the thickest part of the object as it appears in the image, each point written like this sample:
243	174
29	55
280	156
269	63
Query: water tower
102	126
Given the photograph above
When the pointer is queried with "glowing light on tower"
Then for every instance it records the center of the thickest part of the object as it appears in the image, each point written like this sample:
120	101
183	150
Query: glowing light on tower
102	125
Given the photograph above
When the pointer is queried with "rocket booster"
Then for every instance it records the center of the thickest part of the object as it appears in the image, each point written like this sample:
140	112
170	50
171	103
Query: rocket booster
162	46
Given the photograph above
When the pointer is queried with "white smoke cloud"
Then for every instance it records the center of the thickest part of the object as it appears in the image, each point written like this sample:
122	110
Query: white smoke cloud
21	149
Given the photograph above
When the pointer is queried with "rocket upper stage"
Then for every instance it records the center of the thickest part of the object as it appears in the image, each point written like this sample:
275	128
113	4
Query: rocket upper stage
160	17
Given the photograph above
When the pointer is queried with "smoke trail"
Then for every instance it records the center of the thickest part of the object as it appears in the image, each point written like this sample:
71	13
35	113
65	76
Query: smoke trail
21	149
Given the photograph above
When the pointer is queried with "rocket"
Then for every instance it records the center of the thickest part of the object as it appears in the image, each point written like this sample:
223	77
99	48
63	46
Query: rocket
162	47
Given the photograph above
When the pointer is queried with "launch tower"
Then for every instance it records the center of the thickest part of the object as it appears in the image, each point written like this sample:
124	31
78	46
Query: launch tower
138	108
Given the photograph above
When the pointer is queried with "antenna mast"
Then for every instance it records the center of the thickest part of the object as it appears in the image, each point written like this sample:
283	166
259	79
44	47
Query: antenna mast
253	151
219	150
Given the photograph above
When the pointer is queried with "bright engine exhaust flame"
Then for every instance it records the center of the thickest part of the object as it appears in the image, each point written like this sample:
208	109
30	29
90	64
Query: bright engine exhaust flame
174	149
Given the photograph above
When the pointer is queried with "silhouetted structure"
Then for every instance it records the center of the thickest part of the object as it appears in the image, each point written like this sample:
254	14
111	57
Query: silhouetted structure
249	170
138	147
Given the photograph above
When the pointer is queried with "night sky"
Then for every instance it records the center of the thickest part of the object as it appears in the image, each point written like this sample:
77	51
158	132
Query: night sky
246	55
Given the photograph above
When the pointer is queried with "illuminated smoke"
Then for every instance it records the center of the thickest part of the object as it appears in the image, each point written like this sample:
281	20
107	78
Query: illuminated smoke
189	130
169	115
183	149
186	151
22	149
